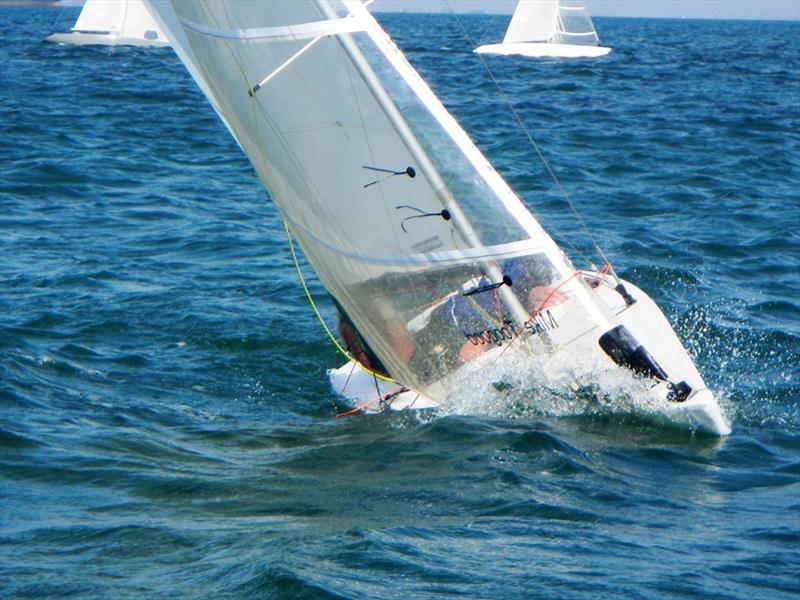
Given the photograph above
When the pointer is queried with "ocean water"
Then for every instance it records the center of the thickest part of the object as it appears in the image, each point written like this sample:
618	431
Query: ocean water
166	425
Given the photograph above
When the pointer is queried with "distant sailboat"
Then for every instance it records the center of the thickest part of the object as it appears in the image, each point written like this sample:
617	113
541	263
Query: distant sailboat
549	28
446	283
113	23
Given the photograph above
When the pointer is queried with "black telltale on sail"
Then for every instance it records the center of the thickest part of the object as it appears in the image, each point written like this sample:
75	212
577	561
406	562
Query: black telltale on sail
492	286
410	171
444	213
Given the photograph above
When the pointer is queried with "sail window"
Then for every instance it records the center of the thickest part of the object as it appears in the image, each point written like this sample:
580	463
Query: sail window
475	196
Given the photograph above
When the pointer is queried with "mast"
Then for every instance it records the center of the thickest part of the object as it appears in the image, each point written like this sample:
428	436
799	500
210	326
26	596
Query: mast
459	219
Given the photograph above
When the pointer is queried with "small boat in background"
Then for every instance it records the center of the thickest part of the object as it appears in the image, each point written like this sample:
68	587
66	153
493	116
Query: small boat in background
549	28
113	23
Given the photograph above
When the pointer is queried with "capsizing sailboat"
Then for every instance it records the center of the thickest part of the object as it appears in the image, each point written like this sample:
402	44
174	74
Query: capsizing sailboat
113	23
549	28
436	263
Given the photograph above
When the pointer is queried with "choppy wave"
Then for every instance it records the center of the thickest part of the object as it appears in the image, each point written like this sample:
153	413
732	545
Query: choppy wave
165	419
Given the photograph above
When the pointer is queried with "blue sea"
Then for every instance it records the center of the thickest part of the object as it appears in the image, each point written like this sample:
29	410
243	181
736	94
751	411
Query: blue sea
166	425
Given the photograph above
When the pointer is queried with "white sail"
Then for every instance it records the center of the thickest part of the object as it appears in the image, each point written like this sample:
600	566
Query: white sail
113	22
139	24
533	21
416	237
101	16
549	28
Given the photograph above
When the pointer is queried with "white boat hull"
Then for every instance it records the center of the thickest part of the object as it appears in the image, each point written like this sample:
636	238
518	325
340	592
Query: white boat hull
644	320
544	50
362	389
78	38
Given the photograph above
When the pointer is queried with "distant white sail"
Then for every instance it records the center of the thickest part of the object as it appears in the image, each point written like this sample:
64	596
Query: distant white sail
533	21
549	28
101	16
416	237
113	23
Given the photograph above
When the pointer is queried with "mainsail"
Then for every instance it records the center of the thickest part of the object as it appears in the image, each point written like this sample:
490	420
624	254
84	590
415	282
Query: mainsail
535	21
419	241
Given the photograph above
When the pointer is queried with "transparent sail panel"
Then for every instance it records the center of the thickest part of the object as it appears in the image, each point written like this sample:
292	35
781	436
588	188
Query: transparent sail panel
476	198
436	319
402	230
575	26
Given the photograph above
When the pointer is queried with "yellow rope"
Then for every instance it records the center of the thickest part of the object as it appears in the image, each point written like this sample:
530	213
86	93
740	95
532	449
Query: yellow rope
319	316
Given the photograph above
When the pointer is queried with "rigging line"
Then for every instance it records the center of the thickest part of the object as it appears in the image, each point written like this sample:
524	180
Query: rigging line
358	408
349	375
319	315
58	18
233	48
367	140
486	29
377	387
125	13
533	144
564	237
380	399
234	53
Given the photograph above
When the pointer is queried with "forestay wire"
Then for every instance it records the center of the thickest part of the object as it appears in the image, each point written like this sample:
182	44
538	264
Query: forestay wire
535	146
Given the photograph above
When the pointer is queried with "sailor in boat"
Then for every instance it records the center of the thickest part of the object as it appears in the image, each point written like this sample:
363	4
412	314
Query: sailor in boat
355	345
465	322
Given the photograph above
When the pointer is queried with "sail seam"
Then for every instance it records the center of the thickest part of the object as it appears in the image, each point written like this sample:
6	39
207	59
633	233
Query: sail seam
519	247
563	32
301	31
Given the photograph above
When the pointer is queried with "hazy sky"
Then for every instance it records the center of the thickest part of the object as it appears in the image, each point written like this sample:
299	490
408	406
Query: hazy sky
692	9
